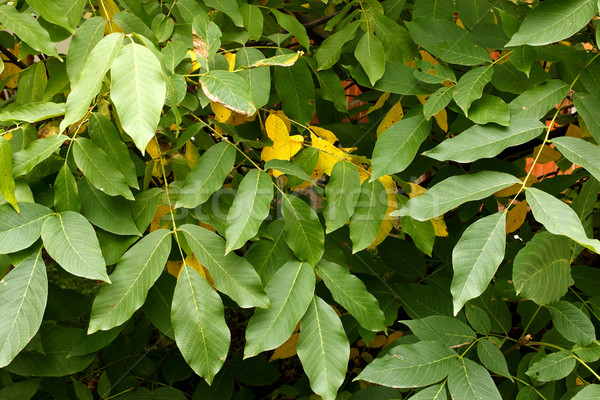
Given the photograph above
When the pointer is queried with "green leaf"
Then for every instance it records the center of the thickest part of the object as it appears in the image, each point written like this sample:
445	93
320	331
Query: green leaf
490	109
133	276
470	87
199	324
105	135
295	88
447	330
23	298
89	344
293	26
492	358
249	209
303	230
454	191
229	7
580	152
26	159
158	304
552	21
447	41
572	323
468	380
287	168
397	43
66	197
99	169
522	58
440	9
107	212
553	367
267	256
230	90
332	89
253	20
397	146
208	175
7	182
34	112
369	214
21	390
328	54
290	293
370	54
51	12
476	257
351	293
411	365
437	101
588	108
138	91
435	392
131	23
173	53
537	101
421	232
558	218
341	195
144	207
486	141
89	83
323	349
88	35
18	231
473	12
57	342
542	269
590	392
232	274
28	29
71	241
258	79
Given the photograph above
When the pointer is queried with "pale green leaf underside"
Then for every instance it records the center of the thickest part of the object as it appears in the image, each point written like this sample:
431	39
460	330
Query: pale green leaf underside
469	380
18	231
454	191
304	233
134	275
580	152
23	298
552	21
447	330
486	141
572	323
199	324
553	367
323	348
289	292
341	194
559	218
476	257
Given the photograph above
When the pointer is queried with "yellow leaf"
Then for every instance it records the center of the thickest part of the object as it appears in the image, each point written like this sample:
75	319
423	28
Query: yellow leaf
11	69
416	190
231	59
394	115
192	156
277	131
516	216
238	119
287	349
459	23
389	221
514	189
439	226
296	143
574	131
108	9
324	134
377	342
548	154
284	117
193	262
379	103
392	337
157	221
152	149
329	155
174	268
425	56
222	114
195	63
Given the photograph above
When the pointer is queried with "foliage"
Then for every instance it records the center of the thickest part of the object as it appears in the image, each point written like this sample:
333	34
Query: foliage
258	199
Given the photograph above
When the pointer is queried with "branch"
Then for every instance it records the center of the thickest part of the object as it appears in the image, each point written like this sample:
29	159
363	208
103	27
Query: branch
12	57
320	21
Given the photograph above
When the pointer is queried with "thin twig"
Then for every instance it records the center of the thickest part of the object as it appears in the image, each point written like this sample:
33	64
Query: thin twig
12	57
